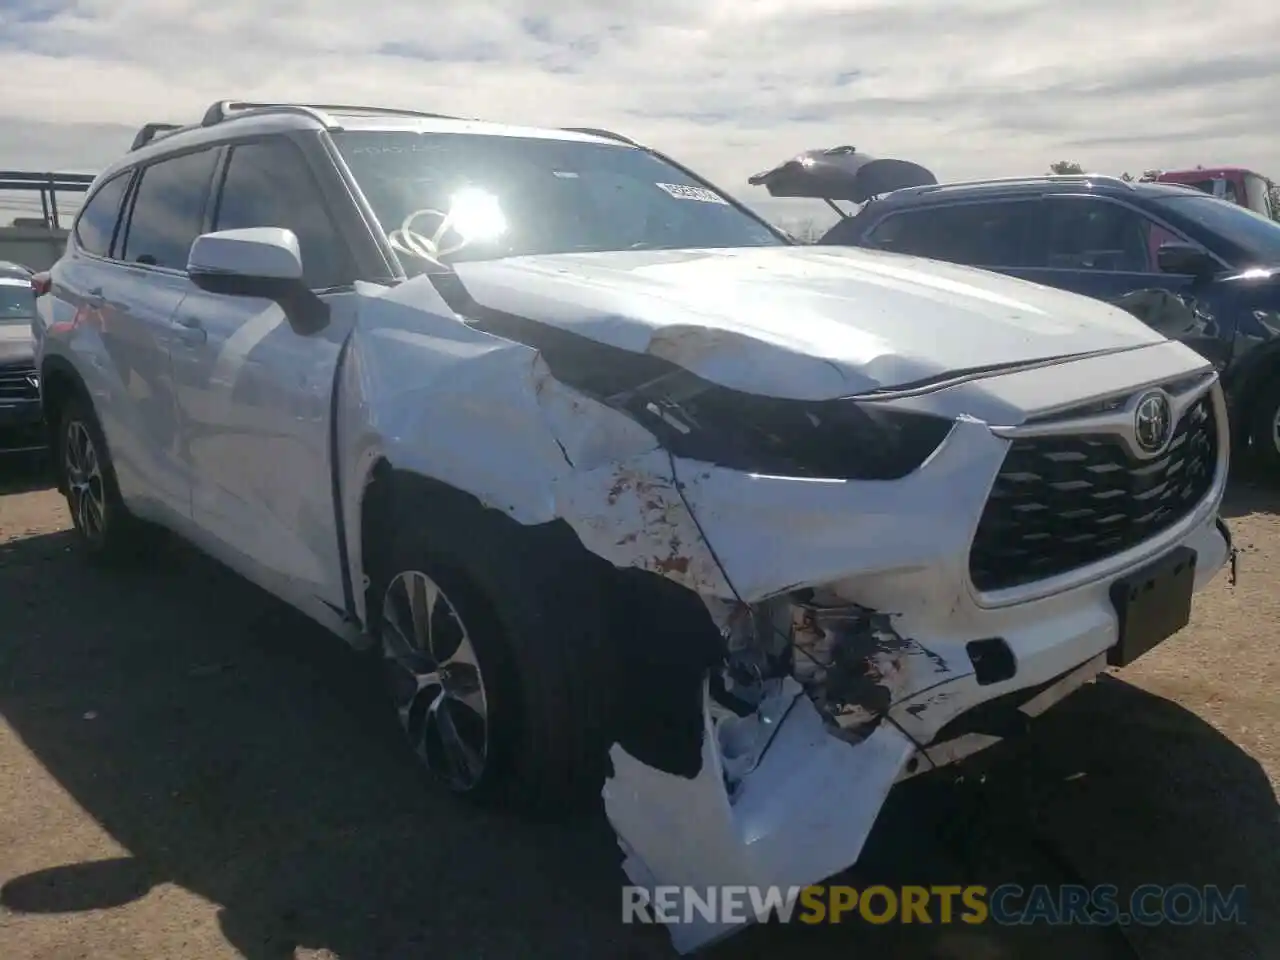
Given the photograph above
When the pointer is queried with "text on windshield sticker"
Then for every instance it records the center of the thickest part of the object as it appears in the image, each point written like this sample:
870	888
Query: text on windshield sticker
683	192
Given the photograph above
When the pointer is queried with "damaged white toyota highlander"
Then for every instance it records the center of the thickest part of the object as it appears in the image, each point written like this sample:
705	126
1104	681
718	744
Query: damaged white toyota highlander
622	486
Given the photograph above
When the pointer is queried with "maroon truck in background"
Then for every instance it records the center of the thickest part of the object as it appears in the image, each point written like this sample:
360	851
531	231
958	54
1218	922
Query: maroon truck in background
1235	184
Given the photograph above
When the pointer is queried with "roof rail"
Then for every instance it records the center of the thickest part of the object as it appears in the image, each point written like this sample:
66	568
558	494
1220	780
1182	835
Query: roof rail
150	132
600	132
1045	178
223	109
1095	177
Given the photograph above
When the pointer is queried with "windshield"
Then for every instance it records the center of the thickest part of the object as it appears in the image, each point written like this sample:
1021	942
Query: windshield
1204	186
17	303
1257	236
458	197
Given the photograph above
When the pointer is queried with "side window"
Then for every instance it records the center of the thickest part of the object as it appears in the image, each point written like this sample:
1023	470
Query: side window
1086	233
268	185
973	234
96	225
168	210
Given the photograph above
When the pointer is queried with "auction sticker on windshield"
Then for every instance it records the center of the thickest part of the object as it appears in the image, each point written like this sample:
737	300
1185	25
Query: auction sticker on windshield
683	192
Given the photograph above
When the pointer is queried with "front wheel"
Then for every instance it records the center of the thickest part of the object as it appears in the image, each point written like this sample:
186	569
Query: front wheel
441	684
493	644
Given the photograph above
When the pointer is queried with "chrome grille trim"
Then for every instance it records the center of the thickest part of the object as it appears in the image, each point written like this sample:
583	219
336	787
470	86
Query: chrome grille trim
1108	423
15	382
1114	415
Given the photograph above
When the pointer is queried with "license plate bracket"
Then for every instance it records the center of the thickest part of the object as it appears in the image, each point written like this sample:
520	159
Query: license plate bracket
1152	604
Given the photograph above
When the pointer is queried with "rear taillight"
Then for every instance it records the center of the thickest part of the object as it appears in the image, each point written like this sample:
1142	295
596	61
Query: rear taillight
41	283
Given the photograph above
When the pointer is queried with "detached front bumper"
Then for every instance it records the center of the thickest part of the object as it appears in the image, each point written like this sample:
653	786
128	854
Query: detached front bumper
782	800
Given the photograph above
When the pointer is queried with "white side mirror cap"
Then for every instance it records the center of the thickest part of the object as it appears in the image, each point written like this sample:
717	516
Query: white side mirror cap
257	253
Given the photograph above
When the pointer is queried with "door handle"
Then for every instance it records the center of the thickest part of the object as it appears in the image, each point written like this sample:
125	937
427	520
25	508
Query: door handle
191	331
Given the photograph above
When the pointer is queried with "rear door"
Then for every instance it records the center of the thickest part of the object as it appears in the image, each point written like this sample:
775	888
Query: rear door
256	396
82	284
164	214
116	289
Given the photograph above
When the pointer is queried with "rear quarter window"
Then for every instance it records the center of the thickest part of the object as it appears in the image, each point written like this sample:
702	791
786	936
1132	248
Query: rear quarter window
96	225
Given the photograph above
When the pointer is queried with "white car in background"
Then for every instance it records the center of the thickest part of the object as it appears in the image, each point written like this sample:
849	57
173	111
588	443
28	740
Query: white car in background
21	424
624	487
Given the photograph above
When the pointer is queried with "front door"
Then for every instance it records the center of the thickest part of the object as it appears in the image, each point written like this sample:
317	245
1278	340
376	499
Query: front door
1107	250
256	396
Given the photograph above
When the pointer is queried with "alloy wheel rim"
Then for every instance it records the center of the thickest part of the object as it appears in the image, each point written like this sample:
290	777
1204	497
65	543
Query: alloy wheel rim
435	680
84	481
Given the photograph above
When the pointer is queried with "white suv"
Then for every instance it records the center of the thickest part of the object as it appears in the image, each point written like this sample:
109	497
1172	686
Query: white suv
621	484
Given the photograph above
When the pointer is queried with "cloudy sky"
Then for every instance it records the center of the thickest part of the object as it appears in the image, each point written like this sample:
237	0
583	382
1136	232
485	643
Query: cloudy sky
967	87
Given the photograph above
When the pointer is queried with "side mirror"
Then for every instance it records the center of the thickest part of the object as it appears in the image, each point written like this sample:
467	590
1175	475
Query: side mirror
258	262
1185	258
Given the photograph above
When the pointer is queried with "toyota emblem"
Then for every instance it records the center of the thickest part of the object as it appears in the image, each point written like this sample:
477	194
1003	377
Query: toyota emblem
1152	422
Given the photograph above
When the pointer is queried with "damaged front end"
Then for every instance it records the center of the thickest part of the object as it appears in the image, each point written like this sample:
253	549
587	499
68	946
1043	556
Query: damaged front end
817	699
776	735
806	728
799	752
850	661
824	638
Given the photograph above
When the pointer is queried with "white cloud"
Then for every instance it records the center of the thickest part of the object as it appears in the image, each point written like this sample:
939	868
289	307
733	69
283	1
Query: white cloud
968	87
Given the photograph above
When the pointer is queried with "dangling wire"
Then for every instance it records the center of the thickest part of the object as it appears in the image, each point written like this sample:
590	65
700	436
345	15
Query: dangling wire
715	558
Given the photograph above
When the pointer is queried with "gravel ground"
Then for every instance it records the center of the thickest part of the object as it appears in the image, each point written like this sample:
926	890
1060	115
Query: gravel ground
187	769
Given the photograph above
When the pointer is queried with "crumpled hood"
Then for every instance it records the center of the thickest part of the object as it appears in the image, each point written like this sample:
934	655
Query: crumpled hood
16	342
802	322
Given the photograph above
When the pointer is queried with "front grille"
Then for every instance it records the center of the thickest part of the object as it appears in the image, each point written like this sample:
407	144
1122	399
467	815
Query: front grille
1060	503
15	383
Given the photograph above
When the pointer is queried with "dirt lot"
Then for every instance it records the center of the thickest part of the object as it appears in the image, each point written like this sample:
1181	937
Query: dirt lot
188	770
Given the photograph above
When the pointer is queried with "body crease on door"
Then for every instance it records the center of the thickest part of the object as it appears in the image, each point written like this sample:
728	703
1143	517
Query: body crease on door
256	398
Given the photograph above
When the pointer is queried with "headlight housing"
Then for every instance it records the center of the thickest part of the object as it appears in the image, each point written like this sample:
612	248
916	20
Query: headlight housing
829	439
843	439
698	420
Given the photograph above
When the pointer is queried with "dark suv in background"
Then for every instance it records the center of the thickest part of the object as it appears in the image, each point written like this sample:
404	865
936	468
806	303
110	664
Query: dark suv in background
1197	268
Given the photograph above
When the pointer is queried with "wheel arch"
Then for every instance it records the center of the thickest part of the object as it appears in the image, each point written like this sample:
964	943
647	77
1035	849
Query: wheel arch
59	382
391	492
657	634
1249	380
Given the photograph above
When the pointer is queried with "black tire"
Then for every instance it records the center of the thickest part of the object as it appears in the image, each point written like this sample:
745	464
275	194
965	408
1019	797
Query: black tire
535	611
106	530
1264	416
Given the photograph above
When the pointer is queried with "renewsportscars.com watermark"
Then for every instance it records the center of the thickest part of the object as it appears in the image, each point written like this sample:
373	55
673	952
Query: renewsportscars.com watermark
1007	905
